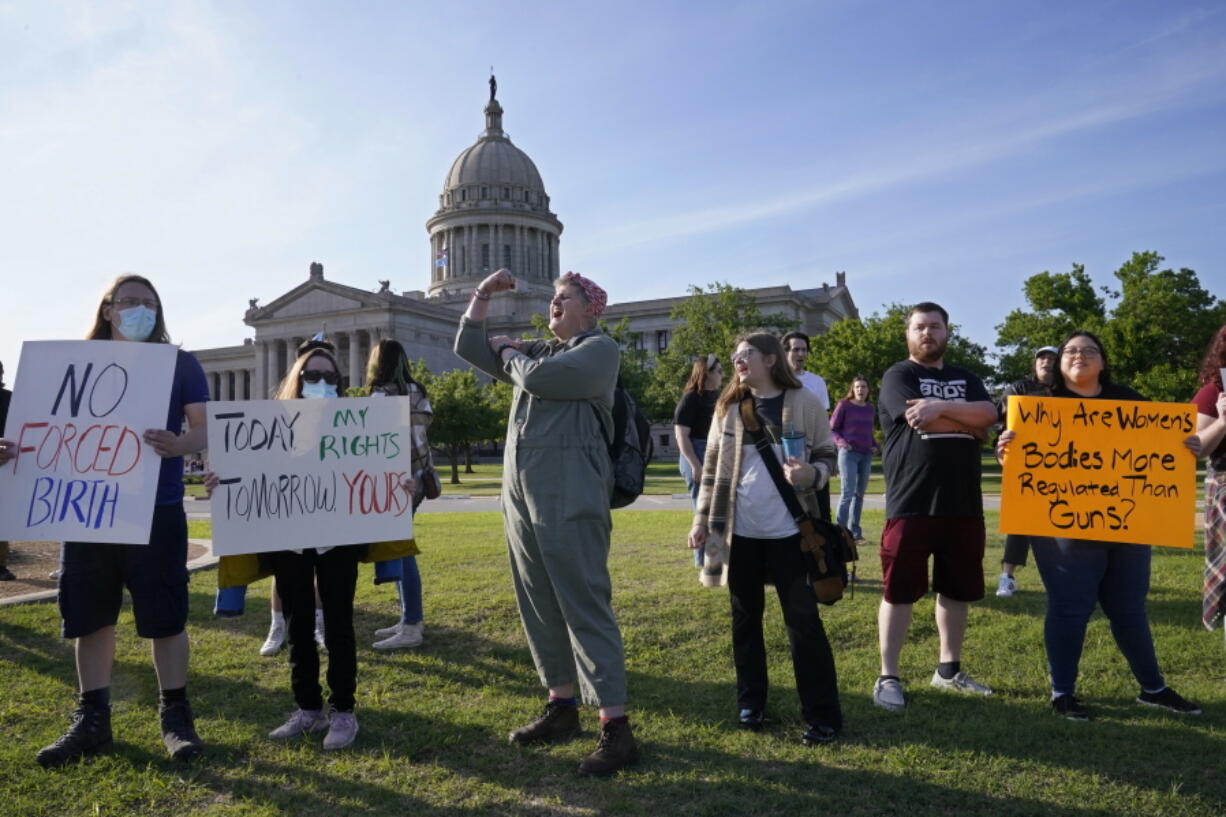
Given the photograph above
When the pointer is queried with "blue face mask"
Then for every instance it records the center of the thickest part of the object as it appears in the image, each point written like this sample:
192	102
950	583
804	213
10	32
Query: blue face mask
136	323
320	389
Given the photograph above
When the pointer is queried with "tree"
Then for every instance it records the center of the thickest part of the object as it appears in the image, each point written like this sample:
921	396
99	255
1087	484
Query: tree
707	322
1059	303
852	347
463	413
1155	333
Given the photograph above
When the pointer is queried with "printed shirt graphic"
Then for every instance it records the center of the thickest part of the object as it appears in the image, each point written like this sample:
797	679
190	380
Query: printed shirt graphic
929	474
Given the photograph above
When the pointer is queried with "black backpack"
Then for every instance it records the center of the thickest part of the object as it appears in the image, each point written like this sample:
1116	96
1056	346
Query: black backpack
630	449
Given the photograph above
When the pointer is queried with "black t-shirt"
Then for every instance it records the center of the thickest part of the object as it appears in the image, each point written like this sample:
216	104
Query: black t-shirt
770	415
695	411
1026	387
5	397
1111	391
929	474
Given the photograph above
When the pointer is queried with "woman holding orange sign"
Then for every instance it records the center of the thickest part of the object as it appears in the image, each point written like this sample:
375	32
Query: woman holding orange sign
1080	575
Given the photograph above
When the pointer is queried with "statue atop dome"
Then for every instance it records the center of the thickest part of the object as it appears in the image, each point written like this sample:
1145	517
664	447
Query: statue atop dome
493	84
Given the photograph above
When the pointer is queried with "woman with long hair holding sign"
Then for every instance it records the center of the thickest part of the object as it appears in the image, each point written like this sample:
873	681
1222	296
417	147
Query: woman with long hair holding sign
93	575
741	499
1080	575
1210	403
315	374
388	375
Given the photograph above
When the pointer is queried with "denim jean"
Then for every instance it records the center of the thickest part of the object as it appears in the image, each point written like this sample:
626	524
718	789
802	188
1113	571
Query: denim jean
1078	576
409	591
854	468
693	482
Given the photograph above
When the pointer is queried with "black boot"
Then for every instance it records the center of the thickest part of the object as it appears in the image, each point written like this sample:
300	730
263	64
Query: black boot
615	750
179	730
558	722
89	733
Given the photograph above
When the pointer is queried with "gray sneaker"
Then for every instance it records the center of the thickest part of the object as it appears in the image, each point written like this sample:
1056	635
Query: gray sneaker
342	730
961	682
888	694
301	722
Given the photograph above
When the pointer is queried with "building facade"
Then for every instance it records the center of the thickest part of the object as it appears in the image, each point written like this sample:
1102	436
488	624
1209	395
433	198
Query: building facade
493	212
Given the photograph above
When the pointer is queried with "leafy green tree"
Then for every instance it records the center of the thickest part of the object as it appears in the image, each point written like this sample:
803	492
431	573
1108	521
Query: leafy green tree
1059	303
1155	326
707	322
463	413
852	347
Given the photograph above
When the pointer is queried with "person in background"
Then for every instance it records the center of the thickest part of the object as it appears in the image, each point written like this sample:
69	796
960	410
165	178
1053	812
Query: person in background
389	375
6	397
1080	575
851	425
1018	545
740	501
691	421
796	344
93	576
556	486
1210	403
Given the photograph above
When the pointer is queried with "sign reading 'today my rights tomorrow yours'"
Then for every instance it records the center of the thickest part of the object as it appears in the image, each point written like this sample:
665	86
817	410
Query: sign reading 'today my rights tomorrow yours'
1104	470
309	473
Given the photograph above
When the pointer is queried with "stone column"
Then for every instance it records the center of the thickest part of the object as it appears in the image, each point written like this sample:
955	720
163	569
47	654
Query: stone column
354	361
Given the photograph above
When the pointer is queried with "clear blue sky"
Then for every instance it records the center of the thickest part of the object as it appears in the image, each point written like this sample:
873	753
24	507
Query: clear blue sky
940	150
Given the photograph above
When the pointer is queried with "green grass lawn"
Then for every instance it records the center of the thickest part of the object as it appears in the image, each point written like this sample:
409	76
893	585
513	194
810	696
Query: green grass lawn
434	721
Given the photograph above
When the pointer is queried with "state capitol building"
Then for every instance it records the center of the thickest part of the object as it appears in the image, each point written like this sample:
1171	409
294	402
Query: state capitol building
493	212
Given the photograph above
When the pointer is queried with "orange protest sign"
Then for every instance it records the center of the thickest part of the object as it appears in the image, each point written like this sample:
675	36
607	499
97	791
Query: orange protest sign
1106	470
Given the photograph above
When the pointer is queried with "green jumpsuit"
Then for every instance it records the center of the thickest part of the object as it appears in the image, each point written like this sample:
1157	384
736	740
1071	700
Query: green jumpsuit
556	484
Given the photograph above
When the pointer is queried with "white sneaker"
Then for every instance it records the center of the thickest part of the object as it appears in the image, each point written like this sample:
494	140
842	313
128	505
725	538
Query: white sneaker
384	632
1005	586
342	730
301	722
275	641
961	682
409	635
888	694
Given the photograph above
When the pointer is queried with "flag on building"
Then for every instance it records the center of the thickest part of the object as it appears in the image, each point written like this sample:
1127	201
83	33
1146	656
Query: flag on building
441	260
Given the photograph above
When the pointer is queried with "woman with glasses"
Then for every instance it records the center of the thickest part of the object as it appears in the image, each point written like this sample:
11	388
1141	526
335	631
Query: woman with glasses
93	576
315	374
740	501
1080	575
692	419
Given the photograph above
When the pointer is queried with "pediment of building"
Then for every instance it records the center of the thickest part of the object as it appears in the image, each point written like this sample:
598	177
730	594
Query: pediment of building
316	298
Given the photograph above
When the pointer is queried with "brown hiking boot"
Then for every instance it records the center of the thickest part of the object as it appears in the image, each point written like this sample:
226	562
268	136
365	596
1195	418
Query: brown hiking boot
556	723
615	750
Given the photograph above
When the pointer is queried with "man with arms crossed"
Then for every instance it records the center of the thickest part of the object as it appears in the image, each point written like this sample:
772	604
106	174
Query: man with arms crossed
934	417
796	344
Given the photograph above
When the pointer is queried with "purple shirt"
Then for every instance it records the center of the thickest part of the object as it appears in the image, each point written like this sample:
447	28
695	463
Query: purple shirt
852	426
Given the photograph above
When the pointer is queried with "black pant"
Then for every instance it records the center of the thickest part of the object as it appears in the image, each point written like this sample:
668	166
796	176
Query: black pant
337	571
1016	548
751	562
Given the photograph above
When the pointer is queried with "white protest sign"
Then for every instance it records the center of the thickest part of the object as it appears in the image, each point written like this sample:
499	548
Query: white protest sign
82	472
309	473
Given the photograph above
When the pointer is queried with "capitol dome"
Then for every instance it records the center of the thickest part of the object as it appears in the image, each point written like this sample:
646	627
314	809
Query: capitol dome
493	212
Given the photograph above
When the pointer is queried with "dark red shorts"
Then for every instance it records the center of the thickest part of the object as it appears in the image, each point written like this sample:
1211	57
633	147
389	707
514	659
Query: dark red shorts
956	546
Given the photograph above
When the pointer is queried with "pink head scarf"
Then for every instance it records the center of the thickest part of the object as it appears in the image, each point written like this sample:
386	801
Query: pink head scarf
596	296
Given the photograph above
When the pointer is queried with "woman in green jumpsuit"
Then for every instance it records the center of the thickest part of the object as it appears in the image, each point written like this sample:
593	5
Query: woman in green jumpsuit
557	480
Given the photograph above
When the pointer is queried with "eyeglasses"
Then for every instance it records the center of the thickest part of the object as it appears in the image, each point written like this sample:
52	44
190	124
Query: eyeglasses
314	376
744	354
128	303
1087	352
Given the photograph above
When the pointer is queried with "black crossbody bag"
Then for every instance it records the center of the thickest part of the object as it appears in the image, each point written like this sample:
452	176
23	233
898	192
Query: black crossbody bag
827	547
